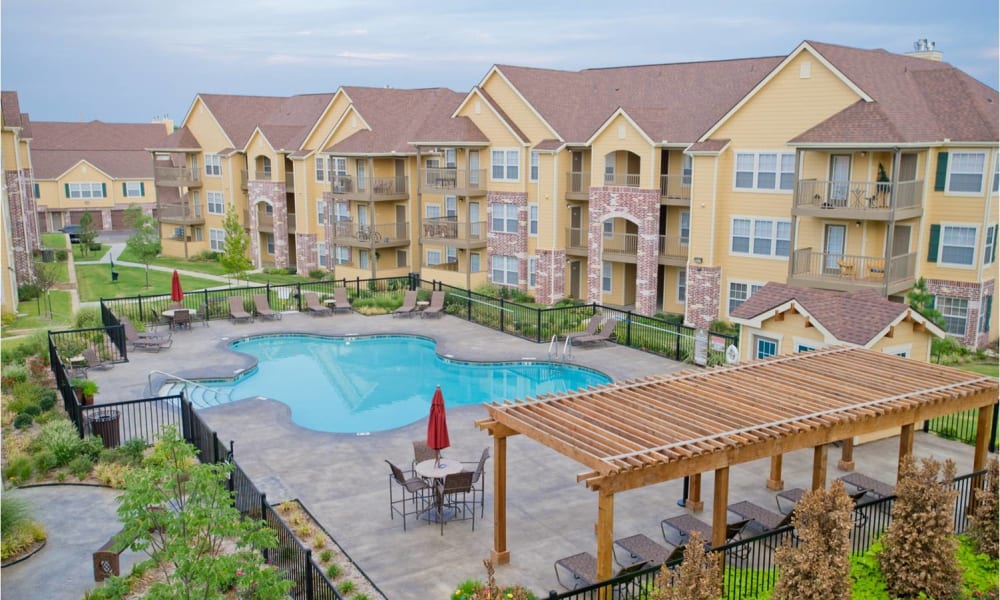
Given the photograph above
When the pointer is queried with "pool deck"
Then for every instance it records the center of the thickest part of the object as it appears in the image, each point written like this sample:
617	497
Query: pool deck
343	479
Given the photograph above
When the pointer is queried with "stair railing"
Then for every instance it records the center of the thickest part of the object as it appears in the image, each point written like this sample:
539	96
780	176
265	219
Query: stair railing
171	377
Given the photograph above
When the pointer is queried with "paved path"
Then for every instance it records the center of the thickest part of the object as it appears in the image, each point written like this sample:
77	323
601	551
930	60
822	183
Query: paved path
78	520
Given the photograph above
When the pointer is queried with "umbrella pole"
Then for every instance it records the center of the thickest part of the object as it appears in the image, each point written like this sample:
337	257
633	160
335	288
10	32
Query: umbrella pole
437	457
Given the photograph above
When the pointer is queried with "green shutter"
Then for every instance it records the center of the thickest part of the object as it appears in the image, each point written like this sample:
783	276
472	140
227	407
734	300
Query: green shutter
104	190
932	249
67	189
142	188
124	190
993	255
942	171
988	313
38	193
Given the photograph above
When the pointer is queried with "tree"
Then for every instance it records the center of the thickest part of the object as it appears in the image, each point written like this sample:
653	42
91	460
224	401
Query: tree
88	233
919	548
820	565
922	301
699	576
985	520
145	241
181	513
235	246
45	279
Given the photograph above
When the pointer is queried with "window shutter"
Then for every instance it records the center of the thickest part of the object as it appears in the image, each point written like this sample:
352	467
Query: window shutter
987	314
993	255
37	192
142	188
124	189
67	189
104	190
932	250
942	171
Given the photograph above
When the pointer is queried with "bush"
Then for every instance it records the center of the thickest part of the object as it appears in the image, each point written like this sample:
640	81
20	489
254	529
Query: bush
62	255
23	421
985	521
317	273
32	409
44	461
7	317
62	440
208	255
291	270
47	399
699	577
19	531
28	291
14	374
19	469
333	571
81	466
87	318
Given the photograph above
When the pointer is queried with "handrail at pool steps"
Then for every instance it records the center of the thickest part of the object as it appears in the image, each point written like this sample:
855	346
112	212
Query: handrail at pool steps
187	382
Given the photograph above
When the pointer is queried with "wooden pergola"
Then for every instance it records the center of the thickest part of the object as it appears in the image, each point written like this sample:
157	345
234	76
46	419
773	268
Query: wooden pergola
647	431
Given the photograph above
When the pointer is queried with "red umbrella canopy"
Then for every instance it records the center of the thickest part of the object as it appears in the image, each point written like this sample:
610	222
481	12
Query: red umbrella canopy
176	293
437	425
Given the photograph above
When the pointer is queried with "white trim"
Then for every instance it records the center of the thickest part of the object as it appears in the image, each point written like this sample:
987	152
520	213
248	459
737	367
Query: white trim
754	189
83	161
495	69
905	349
493	110
253	134
983	176
975	246
620	111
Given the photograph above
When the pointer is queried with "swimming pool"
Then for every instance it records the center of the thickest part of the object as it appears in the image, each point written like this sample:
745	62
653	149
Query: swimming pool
375	383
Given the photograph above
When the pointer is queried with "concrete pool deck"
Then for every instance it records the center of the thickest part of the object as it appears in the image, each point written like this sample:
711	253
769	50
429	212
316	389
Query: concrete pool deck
343	479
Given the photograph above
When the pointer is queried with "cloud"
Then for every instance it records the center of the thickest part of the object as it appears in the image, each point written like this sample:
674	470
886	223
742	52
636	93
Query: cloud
371	56
285	59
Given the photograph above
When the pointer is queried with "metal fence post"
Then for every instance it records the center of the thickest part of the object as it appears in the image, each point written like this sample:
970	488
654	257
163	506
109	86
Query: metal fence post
628	329
263	517
538	325
186	419
501	314
468	305
215	447
993	429
308	572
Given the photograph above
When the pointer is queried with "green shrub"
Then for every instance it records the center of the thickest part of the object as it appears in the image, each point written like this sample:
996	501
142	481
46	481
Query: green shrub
23	395
129	453
62	255
14	374
291	270
317	273
88	317
208	255
7	317
15	513
44	461
346	587
28	291
18	469
333	571
81	466
326	555
62	440
22	421
47	399
32	409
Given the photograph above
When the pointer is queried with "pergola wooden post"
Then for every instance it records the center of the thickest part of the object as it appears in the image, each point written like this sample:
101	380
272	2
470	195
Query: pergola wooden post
774	482
694	502
846	462
642	432
905	446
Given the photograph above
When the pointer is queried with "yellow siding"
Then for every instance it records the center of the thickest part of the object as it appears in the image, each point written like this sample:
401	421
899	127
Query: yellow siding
703	217
500	137
669	290
515	108
326	122
621	135
204	127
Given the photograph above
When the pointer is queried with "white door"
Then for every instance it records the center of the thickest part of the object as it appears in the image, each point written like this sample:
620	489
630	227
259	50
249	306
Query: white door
362	215
474	168
833	245
840	179
474	226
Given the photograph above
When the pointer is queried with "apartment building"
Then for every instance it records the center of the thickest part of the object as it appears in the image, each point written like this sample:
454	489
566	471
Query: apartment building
95	167
20	226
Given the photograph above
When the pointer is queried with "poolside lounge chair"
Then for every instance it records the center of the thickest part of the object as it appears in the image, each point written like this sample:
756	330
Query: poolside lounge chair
236	311
592	326
868	485
313	305
607	328
263	308
760	519
144	341
583	568
677	530
409	304
94	361
641	548
436	307
340	300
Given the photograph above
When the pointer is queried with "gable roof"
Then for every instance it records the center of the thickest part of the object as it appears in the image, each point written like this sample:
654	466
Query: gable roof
179	139
914	100
117	149
285	121
857	317
10	109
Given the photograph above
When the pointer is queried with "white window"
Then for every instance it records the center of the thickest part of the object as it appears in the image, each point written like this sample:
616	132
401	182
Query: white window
803	347
608	228
504	270
324	258
685	227
532	268
760	237
958	245
996	174
450	254
965	172
321	212
85	190
609	169
504	218
269	239
338	166
764	346
432	211
533	171
363	259
213	165
607	275
133	189
343	254
179	233
320	169
687	167
475	262
764	171
450	206
505	165
216	239
449	158
955	312
361	169
197	234
532	219
341	212
433	257
682	285
740	292
216	204
991	241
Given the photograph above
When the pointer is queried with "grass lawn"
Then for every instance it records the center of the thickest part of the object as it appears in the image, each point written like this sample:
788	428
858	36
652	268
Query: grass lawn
990	369
202	266
60	270
62	313
95	282
54	240
278	278
92	255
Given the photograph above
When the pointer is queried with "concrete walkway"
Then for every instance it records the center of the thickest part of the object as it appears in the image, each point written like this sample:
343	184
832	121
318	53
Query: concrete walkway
78	520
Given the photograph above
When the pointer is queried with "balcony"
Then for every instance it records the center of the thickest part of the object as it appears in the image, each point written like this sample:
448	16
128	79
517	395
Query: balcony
370	188
847	272
180	214
675	190
622	179
176	177
454	182
577	241
578	185
383	235
448	232
268	176
673	250
621	247
858	200
265	221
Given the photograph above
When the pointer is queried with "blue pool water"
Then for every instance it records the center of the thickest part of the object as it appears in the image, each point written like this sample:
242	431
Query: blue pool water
375	383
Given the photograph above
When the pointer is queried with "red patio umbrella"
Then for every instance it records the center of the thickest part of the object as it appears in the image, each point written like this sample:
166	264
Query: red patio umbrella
176	293
437	426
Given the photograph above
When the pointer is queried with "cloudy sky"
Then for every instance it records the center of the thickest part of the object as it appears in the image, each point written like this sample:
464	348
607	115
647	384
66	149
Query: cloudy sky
132	60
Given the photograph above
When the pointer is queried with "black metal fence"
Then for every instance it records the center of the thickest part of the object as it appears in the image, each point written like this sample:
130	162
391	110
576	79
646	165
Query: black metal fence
963	425
749	563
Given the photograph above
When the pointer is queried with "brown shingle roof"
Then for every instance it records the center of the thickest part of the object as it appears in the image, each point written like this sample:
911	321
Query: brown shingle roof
853	317
284	121
180	139
10	109
709	145
118	149
914	100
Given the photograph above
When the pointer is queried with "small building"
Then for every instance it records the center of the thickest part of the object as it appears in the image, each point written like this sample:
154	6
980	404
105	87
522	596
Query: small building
782	319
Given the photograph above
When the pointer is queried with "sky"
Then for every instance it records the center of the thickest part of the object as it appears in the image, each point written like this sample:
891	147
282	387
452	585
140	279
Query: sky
135	60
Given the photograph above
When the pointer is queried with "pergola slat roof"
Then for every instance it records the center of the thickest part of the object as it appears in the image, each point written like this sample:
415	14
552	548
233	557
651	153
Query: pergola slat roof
630	426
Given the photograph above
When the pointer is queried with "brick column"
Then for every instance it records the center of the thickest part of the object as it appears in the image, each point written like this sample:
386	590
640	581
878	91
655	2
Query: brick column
703	294
254	237
509	244
971	291
550	276
20	234
306	258
273	193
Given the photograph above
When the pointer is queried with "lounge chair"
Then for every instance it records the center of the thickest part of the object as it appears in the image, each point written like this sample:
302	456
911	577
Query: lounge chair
760	519
866	484
313	305
263	308
592	326
94	361
236	311
144	341
641	548
677	530
583	568
340	300
607	328
409	304
436	307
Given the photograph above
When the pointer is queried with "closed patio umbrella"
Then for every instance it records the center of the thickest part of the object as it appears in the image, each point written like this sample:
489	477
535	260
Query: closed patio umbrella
176	293
437	426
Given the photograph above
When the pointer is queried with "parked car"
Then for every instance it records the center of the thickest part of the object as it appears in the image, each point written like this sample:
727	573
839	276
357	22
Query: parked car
74	232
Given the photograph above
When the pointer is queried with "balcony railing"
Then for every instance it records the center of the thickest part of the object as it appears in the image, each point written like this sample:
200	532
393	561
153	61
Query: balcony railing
675	190
859	199
577	240
443	266
269	176
265	221
447	230
621	245
460	182
176	177
578	185
180	213
673	249
371	188
622	179
850	271
349	233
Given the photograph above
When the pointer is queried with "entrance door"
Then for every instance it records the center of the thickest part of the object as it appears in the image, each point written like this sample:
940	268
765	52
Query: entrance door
840	179
908	167
475	227
400	221
473	168
362	215
399	185
576	173
574	279
833	245
900	240
575	224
